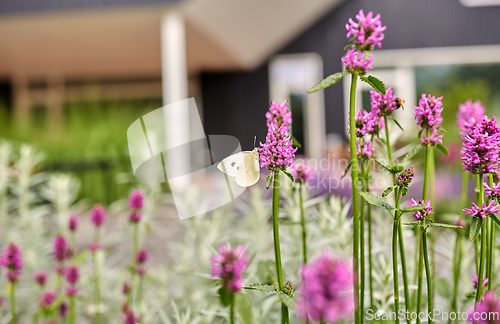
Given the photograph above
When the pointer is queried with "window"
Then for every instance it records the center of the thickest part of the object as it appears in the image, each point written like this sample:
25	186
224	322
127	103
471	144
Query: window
289	78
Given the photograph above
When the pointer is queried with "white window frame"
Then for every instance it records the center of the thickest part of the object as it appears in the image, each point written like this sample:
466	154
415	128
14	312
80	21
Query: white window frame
480	3
280	88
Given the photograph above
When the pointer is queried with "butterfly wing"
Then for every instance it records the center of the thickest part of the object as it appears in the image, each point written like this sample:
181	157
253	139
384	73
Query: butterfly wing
230	164
248	172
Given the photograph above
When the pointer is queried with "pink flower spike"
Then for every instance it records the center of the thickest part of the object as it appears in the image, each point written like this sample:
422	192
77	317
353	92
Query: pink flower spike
356	62
229	266
72	274
325	291
475	211
279	115
142	256
40	277
428	112
98	215
492	192
469	113
73	222
486	309
301	172
367	31
48	297
277	152
130	317
136	200
135	217
383	104
481	147
424	213
61	250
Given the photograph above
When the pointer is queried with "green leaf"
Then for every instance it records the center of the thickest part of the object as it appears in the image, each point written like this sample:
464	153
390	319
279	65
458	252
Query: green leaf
441	225
443	149
295	142
349	47
261	287
328	81
397	124
376	201
287	300
244	307
475	227
224	296
147	227
387	168
411	224
269	180
375	83
412	152
495	219
404	191
288	175
80	257
387	191
397	168
443	288
346	170
412	209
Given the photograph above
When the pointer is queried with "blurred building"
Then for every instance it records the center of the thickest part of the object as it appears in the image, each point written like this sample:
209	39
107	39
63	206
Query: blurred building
233	56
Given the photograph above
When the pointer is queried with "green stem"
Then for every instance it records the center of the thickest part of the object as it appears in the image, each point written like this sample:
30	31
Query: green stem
370	266
303	223
404	270
139	297
97	292
276	236
483	247
362	245
420	281
71	317
491	247
231	310
13	303
355	190
428	274
427	169
476	242
387	141
395	268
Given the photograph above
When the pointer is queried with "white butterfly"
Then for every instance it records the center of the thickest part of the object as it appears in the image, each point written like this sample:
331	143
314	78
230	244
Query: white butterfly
244	166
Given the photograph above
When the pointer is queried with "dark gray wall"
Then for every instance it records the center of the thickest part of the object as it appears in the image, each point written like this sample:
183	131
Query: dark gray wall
410	24
34	6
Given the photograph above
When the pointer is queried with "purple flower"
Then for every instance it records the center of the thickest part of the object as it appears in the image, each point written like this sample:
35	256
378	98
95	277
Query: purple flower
229	266
356	62
405	177
125	288
481	147
71	291
469	113
325	293
40	277
419	215
63	309
279	115
72	274
135	217
73	222
61	250
428	111
142	256
277	152
367	32
475	211
433	139
366	152
129	317
368	123
487	311
48	297
383	104
98	215
12	260
492	192
136	200
301	172
475	281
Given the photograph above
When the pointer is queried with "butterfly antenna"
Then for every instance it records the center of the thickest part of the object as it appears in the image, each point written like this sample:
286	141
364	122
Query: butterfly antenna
254	140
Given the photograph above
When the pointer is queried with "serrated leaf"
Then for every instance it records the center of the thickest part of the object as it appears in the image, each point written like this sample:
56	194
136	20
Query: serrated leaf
375	83
412	209
376	201
387	191
346	170
412	152
475	227
397	168
224	296
441	225
244	307
443	149
404	191
262	287
387	168
269	180
328	81
397	124
288	174
295	142
495	219
287	300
